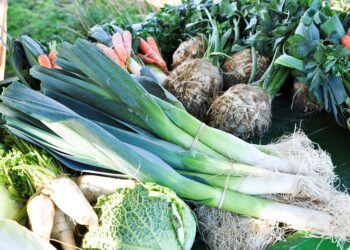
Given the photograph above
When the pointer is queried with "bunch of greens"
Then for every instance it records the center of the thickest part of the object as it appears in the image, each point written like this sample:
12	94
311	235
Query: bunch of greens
268	24
319	60
217	21
148	215
16	155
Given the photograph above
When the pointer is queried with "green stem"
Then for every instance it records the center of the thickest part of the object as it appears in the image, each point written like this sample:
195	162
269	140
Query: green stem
236	30
254	65
238	149
278	79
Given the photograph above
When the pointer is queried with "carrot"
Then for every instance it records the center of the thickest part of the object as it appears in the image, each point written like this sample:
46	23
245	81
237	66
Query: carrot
151	54
67	196
118	46
153	44
127	40
44	61
147	50
93	186
52	55
62	231
41	210
345	40
145	58
111	53
55	66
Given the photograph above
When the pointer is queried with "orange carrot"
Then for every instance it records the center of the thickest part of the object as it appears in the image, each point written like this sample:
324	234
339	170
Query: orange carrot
147	50
345	40
55	66
153	44
127	40
151	54
111	53
52	55
145	58
119	48
44	61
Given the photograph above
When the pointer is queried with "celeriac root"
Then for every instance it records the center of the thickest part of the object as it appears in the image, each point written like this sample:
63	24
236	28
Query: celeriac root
41	210
93	186
196	83
68	197
242	110
62	231
188	50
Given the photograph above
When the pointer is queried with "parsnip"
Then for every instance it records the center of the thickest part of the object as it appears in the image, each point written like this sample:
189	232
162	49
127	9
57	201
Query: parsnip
68	197
41	210
62	231
93	186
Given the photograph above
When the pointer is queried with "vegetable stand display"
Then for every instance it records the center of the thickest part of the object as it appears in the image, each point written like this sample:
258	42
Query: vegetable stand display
133	104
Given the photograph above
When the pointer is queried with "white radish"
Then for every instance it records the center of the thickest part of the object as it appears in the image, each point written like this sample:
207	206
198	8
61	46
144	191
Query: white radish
41	211
63	232
68	197
93	186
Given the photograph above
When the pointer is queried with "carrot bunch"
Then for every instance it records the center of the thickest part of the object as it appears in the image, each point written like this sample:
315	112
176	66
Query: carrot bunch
121	51
151	54
345	40
48	61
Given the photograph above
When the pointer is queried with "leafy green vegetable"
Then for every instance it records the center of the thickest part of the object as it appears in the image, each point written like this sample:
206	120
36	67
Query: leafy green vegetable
147	216
319	61
16	154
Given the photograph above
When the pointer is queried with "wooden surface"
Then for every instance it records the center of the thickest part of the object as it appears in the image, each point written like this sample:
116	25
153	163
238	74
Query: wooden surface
3	28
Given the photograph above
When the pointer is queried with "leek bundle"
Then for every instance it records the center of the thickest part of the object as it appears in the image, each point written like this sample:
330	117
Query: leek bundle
118	135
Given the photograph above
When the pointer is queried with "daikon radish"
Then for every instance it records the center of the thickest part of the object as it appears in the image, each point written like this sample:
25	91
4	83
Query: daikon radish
41	210
63	232
68	197
93	186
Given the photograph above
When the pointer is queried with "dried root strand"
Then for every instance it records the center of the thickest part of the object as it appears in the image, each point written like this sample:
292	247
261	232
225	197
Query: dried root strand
222	230
305	156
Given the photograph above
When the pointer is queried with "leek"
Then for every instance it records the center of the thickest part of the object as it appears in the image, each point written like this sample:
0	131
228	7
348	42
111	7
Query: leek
93	140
